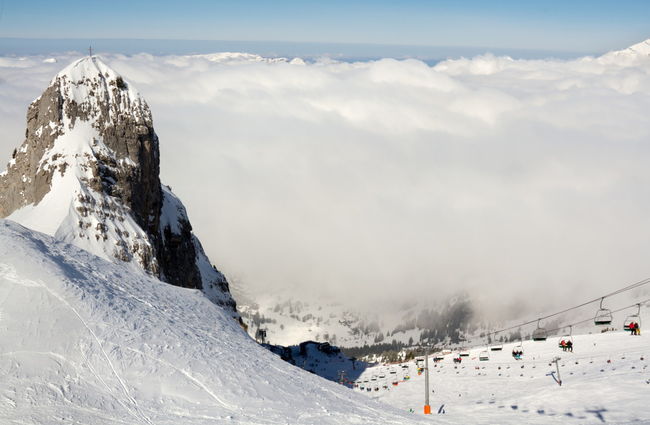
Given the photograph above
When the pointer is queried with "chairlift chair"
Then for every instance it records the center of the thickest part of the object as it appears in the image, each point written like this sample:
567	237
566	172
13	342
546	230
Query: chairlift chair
636	318
519	347
484	356
566	338
540	333
464	354
496	347
603	315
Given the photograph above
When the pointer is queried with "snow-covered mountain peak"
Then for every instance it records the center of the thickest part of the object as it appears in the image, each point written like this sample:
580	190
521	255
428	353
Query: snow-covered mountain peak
92	91
88	174
639	49
628	56
240	57
87	67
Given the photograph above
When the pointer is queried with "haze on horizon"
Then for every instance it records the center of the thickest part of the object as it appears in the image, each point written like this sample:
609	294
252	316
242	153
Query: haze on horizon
582	27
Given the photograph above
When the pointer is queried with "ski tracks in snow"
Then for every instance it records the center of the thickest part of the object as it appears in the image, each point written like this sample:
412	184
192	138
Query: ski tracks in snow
9	274
194	380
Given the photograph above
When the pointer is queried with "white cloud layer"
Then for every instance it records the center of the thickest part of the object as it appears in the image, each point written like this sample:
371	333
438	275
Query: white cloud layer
499	176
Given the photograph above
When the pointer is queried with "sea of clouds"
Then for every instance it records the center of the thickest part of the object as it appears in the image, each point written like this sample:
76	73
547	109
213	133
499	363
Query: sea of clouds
510	179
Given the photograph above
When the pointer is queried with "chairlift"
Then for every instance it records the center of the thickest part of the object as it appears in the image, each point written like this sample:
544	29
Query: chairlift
464	354
540	333
633	318
496	347
519	347
484	356
566	338
603	315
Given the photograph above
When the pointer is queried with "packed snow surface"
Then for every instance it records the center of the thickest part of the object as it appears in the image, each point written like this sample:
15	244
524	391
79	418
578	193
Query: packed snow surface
86	341
606	379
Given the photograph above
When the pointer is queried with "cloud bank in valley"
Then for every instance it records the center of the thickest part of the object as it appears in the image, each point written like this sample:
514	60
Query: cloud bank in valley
394	178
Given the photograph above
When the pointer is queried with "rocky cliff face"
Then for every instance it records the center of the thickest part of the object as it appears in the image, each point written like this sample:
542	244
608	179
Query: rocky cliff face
88	173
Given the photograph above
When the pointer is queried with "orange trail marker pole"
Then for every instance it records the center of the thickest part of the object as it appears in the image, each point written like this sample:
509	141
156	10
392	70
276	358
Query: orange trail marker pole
427	407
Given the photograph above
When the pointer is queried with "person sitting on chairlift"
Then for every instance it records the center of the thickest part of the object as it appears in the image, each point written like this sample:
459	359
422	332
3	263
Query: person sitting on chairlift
563	345
569	346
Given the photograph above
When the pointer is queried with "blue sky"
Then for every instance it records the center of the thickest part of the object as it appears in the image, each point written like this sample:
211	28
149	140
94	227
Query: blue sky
578	26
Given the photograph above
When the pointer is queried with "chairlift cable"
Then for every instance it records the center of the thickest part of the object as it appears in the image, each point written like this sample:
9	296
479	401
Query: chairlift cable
566	310
591	319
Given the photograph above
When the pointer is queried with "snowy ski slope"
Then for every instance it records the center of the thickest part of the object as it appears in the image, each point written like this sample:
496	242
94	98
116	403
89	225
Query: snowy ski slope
85	341
605	380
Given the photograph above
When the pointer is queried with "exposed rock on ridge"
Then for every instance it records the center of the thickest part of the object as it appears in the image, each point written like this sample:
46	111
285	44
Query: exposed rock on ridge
88	173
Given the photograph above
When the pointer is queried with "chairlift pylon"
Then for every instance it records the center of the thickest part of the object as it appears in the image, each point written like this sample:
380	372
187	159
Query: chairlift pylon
603	315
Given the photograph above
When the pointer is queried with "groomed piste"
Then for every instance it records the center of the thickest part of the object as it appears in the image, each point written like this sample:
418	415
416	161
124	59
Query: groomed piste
606	379
83	340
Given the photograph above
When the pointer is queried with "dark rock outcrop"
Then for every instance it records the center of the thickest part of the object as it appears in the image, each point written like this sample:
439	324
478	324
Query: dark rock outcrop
95	131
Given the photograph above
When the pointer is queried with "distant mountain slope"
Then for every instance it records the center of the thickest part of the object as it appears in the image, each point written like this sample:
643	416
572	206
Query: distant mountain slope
86	341
322	359
289	320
